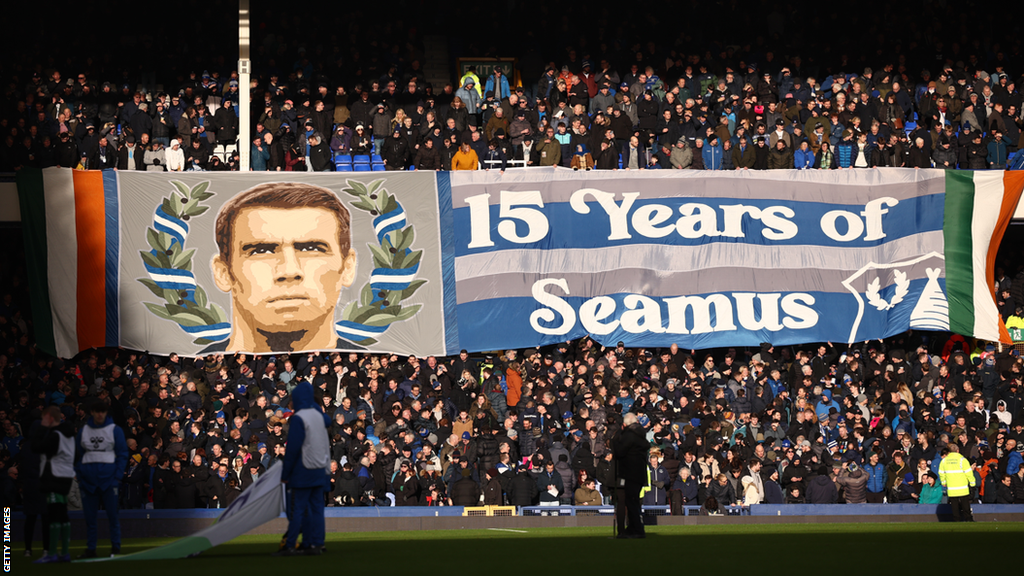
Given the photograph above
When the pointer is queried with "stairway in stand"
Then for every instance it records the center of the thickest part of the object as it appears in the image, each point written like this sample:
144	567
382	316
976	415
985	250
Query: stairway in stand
436	65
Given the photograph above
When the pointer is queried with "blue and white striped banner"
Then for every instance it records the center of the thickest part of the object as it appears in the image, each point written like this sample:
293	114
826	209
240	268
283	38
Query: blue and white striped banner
702	259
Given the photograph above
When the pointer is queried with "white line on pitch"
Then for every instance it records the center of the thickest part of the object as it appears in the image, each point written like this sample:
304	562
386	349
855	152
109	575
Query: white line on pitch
508	530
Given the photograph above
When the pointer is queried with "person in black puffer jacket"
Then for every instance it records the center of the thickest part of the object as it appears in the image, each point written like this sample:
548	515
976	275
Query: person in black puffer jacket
487	450
465	492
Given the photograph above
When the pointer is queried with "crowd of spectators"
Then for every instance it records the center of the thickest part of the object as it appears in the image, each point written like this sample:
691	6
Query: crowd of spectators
635	110
795	424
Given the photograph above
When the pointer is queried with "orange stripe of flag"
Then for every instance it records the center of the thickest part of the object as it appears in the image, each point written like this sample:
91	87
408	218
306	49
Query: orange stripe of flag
92	243
1013	183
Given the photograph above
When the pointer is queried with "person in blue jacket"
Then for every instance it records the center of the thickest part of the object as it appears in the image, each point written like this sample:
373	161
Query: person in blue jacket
803	158
878	479
497	83
100	461
306	473
712	154
845	150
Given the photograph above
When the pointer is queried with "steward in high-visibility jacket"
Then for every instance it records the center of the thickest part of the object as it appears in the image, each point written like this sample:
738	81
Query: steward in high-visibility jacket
1015	324
956	474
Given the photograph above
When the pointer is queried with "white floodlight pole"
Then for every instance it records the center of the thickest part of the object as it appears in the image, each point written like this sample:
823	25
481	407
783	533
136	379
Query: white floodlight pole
244	71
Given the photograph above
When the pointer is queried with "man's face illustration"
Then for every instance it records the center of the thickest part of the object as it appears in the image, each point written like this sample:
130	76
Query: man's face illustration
286	269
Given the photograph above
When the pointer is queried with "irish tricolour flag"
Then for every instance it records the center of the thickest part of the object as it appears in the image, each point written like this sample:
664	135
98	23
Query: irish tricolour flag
979	206
71	222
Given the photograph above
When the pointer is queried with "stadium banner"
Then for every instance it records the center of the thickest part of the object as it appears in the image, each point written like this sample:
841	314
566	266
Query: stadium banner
431	262
708	259
203	262
260	503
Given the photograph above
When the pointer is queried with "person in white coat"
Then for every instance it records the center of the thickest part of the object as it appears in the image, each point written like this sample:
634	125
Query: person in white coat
174	158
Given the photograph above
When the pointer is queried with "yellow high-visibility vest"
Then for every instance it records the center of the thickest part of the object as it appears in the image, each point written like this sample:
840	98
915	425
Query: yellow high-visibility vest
956	475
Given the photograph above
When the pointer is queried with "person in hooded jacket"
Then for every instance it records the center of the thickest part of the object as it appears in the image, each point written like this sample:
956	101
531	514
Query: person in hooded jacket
821	489
761	152
55	443
395	151
803	158
306	472
320	154
100	461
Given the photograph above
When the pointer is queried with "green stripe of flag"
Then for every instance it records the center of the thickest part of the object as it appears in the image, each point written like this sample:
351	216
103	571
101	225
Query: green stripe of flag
959	250
33	226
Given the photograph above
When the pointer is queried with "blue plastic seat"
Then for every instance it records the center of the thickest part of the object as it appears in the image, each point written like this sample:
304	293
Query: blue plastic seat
378	167
361	159
377	159
361	167
342	159
343	167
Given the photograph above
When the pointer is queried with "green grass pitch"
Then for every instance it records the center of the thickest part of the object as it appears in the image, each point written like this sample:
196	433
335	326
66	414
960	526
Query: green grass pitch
938	548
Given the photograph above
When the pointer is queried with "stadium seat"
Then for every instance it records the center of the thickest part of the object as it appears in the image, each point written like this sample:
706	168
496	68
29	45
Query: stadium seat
377	159
1016	161
343	167
342	159
378	167
361	167
361	159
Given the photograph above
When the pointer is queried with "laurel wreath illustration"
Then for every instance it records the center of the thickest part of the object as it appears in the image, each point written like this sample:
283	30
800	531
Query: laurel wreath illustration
902	288
393	279
169	266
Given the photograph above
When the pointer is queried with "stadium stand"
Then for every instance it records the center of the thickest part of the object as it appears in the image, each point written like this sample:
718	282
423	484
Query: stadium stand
803	425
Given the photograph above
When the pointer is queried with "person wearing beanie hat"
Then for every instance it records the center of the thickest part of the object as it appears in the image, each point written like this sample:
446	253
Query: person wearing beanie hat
395	151
99	466
492	488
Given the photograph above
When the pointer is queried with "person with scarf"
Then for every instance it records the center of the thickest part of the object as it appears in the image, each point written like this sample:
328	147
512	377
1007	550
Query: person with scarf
826	160
581	158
